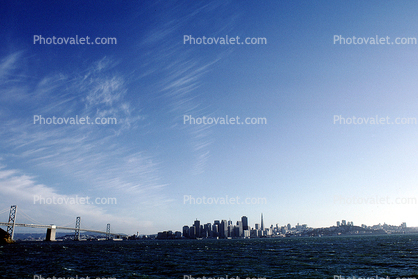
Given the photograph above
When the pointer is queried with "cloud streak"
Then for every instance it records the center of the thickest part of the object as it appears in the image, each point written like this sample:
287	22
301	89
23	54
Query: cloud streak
91	155
23	191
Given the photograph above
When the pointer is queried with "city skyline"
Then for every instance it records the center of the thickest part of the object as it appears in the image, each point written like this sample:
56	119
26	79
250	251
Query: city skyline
227	229
145	114
222	228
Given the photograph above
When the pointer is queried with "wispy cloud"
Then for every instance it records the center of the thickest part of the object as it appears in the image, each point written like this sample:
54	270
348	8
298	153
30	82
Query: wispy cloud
108	159
8	67
181	71
92	154
23	190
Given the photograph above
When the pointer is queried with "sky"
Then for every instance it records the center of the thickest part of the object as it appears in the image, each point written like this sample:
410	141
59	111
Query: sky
300	164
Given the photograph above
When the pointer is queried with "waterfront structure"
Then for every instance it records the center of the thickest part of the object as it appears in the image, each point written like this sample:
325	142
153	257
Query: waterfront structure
192	232
240	228
223	229
186	231
215	230
197	228
244	221
207	230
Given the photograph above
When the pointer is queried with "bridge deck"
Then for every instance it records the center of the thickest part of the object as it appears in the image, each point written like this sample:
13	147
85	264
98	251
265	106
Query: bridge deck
50	226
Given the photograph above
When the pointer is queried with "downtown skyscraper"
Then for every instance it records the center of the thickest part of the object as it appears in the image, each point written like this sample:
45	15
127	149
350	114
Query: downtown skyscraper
244	221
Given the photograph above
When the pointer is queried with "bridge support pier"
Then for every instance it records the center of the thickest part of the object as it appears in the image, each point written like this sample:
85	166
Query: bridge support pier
108	232
77	229
50	233
12	219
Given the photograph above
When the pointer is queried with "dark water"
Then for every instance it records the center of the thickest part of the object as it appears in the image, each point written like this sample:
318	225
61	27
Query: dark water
325	257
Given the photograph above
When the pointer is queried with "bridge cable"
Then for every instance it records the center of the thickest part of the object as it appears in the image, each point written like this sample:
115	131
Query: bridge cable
67	225
28	217
5	210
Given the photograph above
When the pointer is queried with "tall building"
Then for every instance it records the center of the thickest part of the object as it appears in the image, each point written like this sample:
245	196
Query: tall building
207	230
186	231
262	222
215	230
197	228
235	232
240	229
223	229
244	221
283	229
192	232
230	230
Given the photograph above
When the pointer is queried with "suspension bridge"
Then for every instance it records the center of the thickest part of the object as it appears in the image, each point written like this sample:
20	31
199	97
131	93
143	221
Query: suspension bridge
51	229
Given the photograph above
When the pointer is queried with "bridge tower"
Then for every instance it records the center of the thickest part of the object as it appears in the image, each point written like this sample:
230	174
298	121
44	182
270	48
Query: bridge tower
108	232
50	233
12	219
77	229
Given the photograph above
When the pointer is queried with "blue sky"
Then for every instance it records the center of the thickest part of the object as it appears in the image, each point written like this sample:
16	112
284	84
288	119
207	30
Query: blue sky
305	166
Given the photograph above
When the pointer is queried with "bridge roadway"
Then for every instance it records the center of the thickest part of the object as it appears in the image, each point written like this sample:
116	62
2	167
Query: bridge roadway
57	227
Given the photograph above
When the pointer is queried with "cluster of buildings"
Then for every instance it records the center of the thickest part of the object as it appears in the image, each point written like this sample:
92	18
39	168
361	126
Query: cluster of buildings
386	227
348	228
390	228
344	223
219	229
227	229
